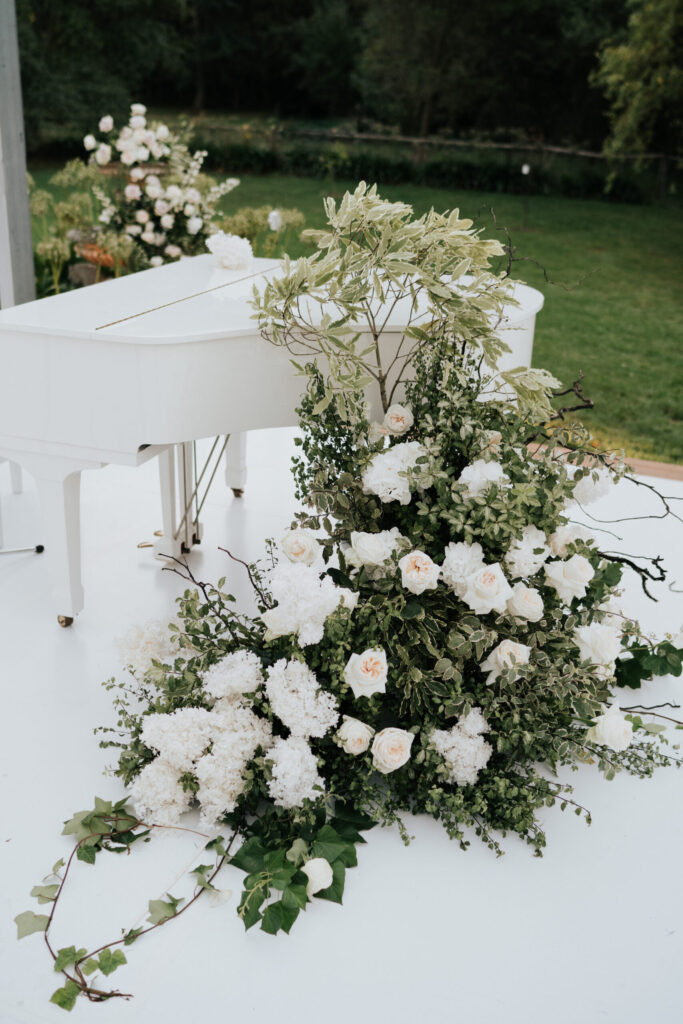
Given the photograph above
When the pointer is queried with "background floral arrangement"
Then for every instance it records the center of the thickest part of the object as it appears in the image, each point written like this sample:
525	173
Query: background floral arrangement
435	635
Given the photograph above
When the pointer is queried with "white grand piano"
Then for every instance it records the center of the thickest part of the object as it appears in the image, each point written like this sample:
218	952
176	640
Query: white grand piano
123	371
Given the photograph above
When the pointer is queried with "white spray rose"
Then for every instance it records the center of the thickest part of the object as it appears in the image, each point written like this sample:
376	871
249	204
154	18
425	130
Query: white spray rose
319	874
137	174
89	142
366	673
589	489
103	154
504	656
106	123
480	475
526	556
162	132
156	261
565	535
174	251
525	603
599	644
398	419
487	590
391	749
571	578
167	221
138	109
161	207
194	225
461	561
189	209
133	229
231	251
141	216
137	122
193	195
418	572
274	220
354	736
611	730
300	546
132	192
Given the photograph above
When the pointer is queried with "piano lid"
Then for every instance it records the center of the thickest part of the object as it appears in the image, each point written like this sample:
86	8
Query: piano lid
188	300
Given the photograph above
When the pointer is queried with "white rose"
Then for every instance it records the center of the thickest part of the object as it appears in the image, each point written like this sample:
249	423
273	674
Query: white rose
487	590
189	209
354	736
142	153
167	221
137	122
161	207
194	225
525	603
594	486
274	220
128	156
599	644
106	215
162	132
106	123
366	673
138	109
418	572
526	556
89	142
156	261
173	192
149	237
319	874
373	548
391	749
480	475
132	192
565	535
141	216
571	578
461	561
153	190
507	654
174	251
192	195
103	154
137	174
398	419
133	229
611	730
300	546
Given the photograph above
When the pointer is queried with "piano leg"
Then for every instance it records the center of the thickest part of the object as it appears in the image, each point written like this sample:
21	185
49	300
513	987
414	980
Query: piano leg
16	477
236	464
168	545
59	495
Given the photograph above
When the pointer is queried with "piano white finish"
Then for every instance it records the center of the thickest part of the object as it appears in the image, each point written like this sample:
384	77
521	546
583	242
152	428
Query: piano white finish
117	372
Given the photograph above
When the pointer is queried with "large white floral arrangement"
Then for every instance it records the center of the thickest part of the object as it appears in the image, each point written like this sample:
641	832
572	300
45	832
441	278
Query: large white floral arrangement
436	636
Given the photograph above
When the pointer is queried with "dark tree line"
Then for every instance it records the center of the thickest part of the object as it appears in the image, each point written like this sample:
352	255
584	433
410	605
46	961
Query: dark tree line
507	66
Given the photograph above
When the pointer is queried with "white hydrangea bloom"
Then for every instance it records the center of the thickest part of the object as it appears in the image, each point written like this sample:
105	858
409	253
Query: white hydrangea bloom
181	737
463	748
295	773
386	474
481	474
157	796
526	555
239	732
298	701
461	561
565	535
234	675
599	644
231	251
143	643
304	602
588	490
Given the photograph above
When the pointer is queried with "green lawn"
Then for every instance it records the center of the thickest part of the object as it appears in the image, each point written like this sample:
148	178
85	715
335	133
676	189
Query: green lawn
622	326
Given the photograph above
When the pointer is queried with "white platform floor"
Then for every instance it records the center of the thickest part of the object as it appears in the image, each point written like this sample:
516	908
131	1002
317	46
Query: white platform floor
593	931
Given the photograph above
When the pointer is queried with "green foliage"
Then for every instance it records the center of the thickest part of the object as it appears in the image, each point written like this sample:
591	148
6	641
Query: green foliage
28	923
66	996
644	662
108	826
163	910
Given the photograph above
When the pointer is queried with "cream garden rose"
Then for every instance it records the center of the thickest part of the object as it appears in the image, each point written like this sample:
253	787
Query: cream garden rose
319	874
367	673
525	603
599	644
354	736
611	730
570	578
565	535
487	590
398	419
300	546
418	572
507	654
391	749
372	549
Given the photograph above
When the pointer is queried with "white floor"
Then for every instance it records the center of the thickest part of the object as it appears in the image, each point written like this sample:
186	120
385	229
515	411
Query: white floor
591	932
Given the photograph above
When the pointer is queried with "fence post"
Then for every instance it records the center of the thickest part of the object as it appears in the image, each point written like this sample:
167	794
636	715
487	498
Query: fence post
17	279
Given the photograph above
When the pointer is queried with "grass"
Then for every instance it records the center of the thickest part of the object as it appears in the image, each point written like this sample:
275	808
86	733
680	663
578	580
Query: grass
622	325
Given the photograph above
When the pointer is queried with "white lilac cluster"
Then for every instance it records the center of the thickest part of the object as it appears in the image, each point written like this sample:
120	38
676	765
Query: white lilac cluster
387	474
295	776
141	645
298	701
234	675
230	251
463	748
304	602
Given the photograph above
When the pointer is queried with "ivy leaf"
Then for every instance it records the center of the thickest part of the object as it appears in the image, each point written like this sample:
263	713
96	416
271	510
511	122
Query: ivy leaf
109	960
160	910
86	853
329	844
412	610
75	827
250	856
90	966
68	956
294	897
297	851
273	919
336	890
250	907
45	893
66	997
129	937
28	922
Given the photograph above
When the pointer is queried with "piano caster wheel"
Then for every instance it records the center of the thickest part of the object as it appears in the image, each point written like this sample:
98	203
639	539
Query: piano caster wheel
65	620
184	550
196	539
238	491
